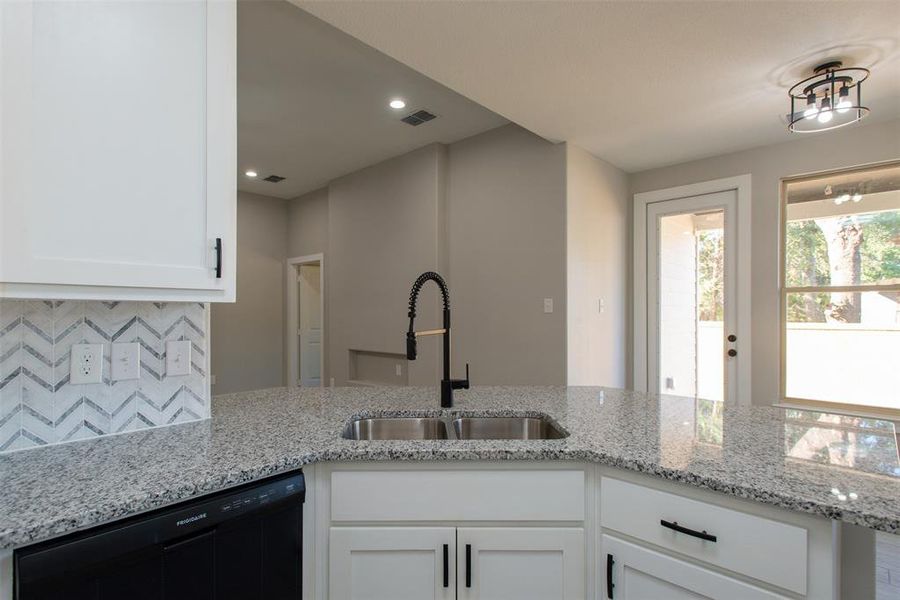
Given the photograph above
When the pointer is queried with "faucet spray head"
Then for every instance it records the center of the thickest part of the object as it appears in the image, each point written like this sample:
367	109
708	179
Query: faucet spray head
410	345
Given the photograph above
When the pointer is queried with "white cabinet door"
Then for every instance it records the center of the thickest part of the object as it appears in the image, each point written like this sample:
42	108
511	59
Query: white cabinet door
117	149
538	563
392	563
638	573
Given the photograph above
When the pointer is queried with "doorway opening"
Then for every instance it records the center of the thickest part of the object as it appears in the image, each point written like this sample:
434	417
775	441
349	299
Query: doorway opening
306	321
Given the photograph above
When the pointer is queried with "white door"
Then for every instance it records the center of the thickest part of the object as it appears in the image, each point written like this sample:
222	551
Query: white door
392	563
118	145
309	286
692	345
534	563
638	573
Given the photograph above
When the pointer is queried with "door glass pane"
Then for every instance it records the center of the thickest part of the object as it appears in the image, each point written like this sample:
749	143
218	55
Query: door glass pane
691	304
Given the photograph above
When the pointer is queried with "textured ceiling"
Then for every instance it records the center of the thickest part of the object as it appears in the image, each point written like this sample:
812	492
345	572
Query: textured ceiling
640	84
312	102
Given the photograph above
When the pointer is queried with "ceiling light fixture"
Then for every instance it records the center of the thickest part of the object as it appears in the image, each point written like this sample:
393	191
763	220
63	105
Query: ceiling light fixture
397	104
251	173
838	92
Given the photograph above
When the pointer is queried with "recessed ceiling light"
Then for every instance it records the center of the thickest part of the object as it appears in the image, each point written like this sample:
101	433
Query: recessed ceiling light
251	174
397	104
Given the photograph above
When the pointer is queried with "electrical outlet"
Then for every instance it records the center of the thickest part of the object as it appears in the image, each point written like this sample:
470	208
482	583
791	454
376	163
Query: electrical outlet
178	358
125	362
86	365
548	305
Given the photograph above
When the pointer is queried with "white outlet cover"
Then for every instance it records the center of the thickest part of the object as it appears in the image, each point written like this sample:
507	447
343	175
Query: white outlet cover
125	361
548	305
178	358
86	364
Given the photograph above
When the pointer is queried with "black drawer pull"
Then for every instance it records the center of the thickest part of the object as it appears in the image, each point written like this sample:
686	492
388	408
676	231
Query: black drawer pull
609	569
446	565
468	565
673	525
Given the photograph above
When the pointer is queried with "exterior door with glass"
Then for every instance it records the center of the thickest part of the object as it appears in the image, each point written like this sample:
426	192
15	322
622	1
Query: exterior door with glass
691	276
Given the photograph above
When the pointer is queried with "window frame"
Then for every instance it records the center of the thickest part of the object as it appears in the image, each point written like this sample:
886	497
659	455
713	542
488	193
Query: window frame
784	291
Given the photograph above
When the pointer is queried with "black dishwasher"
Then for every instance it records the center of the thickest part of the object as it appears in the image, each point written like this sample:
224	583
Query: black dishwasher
244	543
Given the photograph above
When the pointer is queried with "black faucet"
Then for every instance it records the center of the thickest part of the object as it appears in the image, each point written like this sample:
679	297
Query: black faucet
447	384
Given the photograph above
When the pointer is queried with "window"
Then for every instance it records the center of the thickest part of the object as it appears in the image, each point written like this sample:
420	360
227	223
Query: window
841	290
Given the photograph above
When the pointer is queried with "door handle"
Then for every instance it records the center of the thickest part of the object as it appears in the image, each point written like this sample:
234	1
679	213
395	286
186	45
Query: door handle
609	569
218	258
468	565
732	338
732	352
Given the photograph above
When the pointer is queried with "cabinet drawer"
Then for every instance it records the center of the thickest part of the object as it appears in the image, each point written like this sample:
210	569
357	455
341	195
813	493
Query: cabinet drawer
464	495
760	548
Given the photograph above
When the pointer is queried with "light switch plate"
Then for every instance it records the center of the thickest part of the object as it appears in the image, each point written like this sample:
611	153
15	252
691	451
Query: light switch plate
125	361
548	305
86	365
178	358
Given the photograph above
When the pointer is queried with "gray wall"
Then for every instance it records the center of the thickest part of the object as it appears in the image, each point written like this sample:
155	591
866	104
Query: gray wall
307	231
767	165
506	225
597	270
247	345
383	231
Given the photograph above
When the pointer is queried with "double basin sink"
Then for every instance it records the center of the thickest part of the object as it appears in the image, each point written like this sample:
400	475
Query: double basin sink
461	428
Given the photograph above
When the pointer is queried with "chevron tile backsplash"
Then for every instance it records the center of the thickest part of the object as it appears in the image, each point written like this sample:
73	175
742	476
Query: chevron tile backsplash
39	406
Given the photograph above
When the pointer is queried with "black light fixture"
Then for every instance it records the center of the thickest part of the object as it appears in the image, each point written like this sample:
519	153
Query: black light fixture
830	98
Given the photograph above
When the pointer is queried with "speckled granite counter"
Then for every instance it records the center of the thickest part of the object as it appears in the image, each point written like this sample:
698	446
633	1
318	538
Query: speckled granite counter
837	467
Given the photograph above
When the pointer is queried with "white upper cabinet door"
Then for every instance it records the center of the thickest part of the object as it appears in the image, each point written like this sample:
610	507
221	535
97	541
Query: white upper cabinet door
633	572
118	139
392	563
528	563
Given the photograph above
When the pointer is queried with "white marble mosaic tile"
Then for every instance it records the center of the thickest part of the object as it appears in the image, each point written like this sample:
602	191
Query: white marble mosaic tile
39	406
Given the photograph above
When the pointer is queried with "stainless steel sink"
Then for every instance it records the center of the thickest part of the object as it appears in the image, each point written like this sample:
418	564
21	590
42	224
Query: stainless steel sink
506	428
396	428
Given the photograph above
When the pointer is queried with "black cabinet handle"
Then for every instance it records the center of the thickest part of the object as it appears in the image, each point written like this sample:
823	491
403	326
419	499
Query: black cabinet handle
218	258
609	569
468	565
673	525
446	565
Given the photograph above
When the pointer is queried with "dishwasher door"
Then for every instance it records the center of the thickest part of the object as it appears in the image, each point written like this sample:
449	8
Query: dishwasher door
242	544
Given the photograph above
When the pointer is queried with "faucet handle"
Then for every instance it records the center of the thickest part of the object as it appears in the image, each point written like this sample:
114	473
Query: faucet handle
410	345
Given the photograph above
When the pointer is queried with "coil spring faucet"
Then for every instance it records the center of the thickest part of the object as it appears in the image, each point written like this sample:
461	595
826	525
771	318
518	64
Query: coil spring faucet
447	384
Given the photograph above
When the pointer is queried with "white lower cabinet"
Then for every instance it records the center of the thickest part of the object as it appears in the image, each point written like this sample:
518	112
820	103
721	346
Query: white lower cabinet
636	573
471	563
392	563
523	563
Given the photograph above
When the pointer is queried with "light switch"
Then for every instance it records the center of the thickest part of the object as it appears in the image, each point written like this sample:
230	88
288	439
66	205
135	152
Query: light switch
86	365
125	361
398	370
178	358
548	305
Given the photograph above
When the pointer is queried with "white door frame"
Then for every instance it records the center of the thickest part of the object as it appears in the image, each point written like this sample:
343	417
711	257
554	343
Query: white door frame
293	316
741	185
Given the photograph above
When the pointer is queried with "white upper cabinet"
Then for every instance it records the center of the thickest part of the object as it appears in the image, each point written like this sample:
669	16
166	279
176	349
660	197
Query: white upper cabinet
118	140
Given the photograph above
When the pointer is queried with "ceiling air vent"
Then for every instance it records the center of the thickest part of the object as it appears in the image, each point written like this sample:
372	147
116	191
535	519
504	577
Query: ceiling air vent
274	179
418	117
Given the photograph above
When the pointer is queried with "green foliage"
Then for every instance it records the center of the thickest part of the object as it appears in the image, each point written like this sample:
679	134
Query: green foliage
711	273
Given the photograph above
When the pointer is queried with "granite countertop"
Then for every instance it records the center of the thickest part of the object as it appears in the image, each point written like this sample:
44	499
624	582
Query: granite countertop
837	467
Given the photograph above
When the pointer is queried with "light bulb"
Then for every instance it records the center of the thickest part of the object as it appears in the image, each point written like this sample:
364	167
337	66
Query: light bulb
251	174
825	111
397	104
811	109
844	103
856	197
